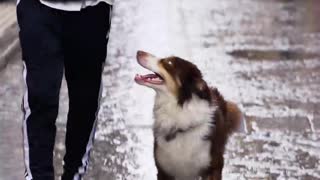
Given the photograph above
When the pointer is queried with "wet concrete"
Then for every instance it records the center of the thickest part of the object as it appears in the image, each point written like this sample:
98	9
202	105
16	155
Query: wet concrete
274	55
264	55
11	160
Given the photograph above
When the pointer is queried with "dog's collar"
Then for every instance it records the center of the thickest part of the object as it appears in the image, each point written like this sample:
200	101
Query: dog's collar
172	134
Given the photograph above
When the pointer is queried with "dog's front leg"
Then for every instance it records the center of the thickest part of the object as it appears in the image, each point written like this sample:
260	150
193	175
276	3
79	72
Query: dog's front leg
164	176
216	167
215	175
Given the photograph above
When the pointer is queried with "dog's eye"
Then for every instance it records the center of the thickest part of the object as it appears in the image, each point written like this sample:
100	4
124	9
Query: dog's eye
170	63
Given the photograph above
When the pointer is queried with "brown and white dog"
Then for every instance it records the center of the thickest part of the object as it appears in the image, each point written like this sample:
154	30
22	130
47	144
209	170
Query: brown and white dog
192	120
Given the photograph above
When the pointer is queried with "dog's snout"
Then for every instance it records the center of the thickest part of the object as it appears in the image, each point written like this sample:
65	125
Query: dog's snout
147	60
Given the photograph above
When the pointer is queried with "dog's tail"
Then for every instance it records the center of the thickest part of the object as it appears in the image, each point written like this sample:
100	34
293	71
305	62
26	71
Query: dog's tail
234	116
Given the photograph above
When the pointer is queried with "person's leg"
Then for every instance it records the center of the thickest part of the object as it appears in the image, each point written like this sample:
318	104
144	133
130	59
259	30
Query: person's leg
85	46
40	33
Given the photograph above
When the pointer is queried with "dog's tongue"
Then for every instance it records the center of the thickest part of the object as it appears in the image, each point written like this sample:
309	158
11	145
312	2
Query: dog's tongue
150	78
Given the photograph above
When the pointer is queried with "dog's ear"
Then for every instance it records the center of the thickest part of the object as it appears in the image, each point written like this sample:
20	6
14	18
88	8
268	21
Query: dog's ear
202	90
194	86
185	91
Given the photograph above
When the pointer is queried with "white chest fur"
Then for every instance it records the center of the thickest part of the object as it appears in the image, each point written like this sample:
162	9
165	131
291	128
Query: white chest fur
186	154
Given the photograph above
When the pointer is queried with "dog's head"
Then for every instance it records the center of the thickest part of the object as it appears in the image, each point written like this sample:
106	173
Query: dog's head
173	76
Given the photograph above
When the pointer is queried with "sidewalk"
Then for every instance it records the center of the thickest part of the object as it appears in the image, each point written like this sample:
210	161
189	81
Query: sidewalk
261	54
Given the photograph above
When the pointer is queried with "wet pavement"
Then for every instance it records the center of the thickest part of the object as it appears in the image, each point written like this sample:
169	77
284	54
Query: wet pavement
264	55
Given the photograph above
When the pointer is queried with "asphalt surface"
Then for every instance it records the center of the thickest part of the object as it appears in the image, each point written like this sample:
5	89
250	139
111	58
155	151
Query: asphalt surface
264	55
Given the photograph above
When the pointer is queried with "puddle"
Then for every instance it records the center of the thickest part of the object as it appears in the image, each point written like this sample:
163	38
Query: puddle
274	55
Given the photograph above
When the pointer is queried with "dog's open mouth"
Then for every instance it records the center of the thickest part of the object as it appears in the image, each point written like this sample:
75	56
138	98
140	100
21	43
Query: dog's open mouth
149	78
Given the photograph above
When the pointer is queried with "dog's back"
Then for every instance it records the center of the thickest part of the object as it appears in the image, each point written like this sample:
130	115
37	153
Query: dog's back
227	119
228	116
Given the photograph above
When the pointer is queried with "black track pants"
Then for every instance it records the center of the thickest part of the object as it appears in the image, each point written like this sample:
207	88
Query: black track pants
53	42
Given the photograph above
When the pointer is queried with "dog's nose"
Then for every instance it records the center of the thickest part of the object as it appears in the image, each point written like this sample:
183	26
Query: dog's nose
141	53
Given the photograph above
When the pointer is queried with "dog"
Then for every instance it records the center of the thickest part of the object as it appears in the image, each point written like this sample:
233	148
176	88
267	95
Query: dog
192	120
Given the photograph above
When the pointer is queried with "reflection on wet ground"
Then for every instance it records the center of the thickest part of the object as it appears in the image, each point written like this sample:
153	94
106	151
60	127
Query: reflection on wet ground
275	55
264	55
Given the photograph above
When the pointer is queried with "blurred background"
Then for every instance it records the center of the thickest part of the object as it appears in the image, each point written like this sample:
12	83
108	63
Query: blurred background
262	54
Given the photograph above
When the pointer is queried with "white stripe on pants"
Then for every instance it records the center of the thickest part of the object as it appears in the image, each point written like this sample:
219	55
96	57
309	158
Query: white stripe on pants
27	113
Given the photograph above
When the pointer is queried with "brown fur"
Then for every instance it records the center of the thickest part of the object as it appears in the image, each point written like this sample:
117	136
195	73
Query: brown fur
227	119
188	79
